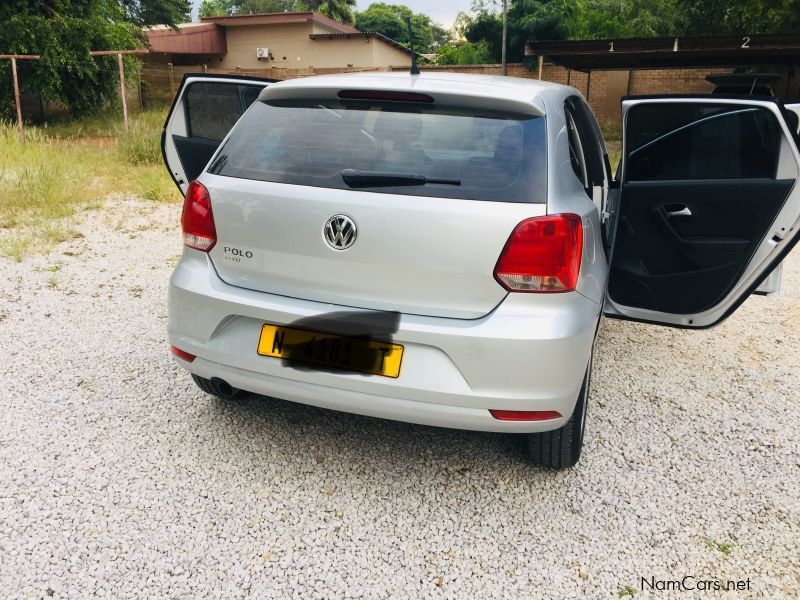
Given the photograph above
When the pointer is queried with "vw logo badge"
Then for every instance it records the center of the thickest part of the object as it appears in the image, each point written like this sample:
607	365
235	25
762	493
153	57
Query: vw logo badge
340	232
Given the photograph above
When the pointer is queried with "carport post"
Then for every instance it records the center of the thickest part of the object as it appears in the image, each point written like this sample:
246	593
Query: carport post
503	68
13	58
16	97
541	65
122	90
588	85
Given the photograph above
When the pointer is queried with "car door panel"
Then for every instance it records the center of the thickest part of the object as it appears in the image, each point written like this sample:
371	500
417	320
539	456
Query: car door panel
772	283
203	111
794	121
700	252
194	153
706	206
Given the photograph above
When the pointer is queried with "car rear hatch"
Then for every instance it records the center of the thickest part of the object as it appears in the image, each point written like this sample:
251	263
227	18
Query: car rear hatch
388	201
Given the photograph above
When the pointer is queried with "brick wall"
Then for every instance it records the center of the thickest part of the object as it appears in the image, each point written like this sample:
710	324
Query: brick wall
602	89
672	81
596	87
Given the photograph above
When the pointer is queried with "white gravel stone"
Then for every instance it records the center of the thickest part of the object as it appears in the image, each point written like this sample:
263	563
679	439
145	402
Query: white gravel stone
118	477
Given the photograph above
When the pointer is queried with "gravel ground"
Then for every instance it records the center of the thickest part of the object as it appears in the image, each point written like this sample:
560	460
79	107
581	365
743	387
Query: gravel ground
119	478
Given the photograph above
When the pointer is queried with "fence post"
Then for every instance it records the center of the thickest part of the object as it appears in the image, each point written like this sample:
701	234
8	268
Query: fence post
122	90
16	98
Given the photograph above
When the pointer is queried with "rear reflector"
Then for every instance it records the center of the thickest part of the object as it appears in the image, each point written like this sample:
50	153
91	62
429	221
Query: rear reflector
525	415
543	254
181	354
197	220
385	96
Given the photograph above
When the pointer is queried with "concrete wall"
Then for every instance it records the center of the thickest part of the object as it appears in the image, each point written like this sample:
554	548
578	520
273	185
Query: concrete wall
385	54
288	43
291	48
354	52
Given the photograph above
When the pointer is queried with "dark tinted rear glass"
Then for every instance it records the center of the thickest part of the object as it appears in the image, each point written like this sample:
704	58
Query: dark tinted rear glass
494	156
701	141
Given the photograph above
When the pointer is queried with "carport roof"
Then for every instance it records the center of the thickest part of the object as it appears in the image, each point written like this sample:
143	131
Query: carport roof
653	53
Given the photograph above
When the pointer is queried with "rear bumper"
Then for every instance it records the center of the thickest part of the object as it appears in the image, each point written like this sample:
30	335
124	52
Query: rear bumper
529	353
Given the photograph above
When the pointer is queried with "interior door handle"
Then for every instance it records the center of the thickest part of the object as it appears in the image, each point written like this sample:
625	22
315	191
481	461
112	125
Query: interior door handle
677	210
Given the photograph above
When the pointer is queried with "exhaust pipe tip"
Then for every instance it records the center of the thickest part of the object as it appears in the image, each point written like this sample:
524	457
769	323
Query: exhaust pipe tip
223	388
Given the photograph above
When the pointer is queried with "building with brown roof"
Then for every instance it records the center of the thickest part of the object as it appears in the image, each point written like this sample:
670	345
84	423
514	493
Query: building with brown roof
299	40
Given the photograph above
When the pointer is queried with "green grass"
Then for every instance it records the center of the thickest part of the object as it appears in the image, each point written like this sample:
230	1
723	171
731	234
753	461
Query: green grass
614	153
101	124
141	145
612	133
66	167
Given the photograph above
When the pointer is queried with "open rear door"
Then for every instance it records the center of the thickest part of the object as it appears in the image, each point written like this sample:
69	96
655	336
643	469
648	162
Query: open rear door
202	114
709	206
794	121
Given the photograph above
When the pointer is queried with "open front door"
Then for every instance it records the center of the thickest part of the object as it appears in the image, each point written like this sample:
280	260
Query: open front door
708	208
202	114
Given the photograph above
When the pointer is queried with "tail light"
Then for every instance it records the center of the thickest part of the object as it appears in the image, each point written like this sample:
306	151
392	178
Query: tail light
197	219
543	254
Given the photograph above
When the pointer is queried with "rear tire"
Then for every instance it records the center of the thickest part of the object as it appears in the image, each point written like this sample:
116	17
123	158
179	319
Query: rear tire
212	387
561	448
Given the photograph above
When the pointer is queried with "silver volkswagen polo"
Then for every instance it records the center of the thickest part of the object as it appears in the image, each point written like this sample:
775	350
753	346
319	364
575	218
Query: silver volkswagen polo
439	248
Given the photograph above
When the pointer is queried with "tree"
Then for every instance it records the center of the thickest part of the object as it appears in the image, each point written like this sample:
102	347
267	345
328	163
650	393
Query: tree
598	19
338	10
390	20
464	53
156	12
441	36
387	19
218	8
739	17
63	32
570	19
487	27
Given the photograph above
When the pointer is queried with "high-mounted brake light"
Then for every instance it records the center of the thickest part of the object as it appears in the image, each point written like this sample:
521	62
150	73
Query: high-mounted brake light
543	254
197	219
385	96
525	415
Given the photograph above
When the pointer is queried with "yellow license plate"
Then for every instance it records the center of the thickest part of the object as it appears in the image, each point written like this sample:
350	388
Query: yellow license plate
341	352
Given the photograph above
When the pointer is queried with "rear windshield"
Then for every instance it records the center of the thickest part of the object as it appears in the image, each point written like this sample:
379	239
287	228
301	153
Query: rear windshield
480	154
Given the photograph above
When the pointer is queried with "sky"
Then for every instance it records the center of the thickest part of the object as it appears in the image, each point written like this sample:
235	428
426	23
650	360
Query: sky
442	11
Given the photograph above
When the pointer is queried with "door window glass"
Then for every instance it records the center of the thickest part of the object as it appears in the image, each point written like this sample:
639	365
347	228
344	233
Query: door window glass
693	140
576	156
596	162
212	108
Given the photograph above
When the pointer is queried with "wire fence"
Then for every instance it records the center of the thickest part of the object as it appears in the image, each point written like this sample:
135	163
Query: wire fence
37	62
151	83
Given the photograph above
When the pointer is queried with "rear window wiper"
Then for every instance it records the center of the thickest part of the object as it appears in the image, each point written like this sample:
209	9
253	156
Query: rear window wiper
365	179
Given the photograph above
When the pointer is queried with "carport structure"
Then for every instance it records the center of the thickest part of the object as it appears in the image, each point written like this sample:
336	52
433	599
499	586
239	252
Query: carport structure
663	65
